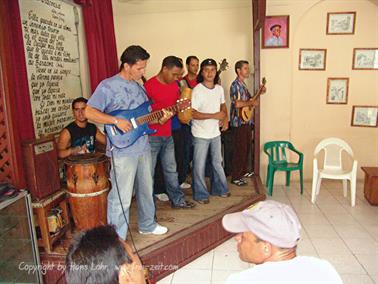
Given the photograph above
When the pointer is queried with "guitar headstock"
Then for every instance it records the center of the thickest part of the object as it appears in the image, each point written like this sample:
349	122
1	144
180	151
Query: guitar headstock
184	104
263	81
223	65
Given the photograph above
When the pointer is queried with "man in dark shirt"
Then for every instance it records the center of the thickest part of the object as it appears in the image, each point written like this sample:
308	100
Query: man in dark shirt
79	136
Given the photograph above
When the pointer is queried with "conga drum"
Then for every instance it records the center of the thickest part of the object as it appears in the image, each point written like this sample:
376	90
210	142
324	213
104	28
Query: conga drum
87	188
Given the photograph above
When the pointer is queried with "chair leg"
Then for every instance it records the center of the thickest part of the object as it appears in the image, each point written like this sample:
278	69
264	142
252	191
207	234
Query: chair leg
353	191
301	179
271	182
345	187
288	178
318	185
313	189
267	176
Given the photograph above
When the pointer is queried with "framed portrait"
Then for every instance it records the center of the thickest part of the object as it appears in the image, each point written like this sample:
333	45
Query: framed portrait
365	116
276	32
365	59
337	90
341	23
312	59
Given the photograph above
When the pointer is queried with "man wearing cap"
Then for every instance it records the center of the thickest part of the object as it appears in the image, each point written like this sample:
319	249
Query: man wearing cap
267	235
275	39
209	112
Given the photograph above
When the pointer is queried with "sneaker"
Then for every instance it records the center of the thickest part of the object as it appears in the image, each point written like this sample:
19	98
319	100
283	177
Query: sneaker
184	205
162	197
185	185
227	194
249	174
159	230
239	182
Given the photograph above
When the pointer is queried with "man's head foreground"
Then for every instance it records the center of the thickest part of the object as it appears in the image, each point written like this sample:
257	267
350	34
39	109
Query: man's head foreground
97	256
266	230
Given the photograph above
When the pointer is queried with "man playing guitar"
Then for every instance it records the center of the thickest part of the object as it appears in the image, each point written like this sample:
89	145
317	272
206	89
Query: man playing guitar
164	91
131	164
242	130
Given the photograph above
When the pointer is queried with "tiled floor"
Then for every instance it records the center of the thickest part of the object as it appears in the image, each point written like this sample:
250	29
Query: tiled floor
332	229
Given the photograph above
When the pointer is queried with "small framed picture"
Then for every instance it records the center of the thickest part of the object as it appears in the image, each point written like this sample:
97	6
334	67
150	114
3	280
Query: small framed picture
337	90
341	23
312	59
365	116
365	59
276	32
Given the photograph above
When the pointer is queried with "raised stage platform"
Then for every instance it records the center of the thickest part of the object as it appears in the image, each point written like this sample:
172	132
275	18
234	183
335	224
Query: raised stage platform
192	232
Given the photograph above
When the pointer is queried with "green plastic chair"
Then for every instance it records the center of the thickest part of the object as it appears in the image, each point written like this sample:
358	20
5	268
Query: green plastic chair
276	151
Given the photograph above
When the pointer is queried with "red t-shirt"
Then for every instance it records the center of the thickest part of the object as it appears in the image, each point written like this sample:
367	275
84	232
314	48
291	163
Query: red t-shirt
162	96
192	83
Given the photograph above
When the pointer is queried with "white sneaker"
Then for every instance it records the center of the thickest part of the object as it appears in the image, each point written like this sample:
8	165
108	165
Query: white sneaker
162	197
159	230
185	185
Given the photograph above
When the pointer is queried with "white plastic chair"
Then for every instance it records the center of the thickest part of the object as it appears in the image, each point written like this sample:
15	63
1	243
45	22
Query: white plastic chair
332	168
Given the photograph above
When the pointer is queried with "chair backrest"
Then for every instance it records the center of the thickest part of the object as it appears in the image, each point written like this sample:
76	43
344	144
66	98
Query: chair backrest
333	148
277	150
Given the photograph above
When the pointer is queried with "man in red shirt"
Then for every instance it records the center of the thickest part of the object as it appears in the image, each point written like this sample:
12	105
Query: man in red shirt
164	91
192	65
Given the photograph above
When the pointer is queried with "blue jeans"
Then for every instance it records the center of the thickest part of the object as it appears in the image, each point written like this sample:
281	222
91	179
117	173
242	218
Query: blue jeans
130	171
163	146
218	178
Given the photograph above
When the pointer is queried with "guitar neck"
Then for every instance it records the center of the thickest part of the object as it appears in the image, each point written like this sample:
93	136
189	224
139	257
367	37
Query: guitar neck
258	93
156	115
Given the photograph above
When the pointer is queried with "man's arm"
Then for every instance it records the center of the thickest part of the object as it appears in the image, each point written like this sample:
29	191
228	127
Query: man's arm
224	121
64	142
100	137
220	115
103	118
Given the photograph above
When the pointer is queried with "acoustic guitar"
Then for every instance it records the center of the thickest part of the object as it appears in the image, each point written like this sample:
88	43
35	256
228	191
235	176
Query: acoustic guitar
139	119
246	113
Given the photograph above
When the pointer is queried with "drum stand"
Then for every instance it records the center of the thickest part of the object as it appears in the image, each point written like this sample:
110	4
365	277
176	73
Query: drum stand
42	208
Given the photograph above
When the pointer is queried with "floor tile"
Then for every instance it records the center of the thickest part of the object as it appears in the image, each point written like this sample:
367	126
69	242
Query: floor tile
228	261
369	262
356	279
362	246
220	276
184	276
344	263
203	262
330	246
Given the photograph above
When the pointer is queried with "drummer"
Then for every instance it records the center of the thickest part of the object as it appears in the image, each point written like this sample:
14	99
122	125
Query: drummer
80	136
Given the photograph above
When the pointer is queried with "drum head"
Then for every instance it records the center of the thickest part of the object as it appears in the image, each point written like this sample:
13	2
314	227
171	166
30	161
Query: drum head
90	158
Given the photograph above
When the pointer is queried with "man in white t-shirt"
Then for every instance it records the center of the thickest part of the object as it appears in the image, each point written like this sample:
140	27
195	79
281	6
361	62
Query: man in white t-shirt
267	235
209	112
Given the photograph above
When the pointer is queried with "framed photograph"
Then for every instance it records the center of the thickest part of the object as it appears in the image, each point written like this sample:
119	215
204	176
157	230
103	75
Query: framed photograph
365	116
276	32
365	59
312	59
337	90
341	23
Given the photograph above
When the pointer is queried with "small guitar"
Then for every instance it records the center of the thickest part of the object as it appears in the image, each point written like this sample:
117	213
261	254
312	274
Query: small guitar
139	119
246	113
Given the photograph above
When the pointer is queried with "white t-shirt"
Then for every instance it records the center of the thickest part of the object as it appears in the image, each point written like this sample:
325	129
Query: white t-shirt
299	270
207	101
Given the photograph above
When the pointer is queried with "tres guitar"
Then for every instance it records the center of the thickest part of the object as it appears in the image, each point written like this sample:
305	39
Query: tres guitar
139	119
246	113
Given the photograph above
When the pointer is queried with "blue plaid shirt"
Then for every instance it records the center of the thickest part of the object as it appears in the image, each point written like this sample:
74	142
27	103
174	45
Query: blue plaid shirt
238	91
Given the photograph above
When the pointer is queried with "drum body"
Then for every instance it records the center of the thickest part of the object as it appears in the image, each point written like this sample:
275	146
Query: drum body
185	115
88	186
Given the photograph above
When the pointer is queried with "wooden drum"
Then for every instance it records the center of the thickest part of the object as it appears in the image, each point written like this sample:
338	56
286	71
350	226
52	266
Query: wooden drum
87	188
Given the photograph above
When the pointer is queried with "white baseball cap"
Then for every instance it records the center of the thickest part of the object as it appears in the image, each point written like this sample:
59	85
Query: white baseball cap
271	221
